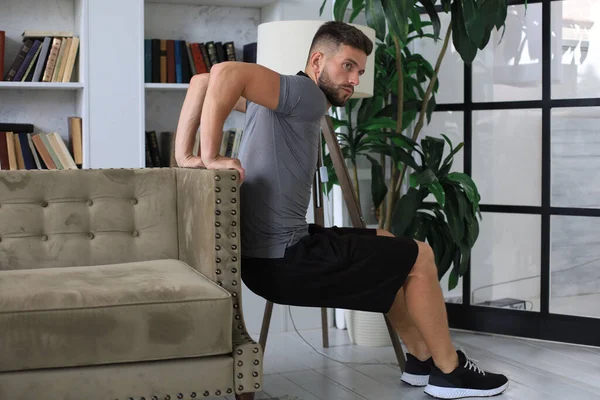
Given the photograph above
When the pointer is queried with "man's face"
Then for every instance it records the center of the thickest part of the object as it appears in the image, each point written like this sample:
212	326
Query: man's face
341	73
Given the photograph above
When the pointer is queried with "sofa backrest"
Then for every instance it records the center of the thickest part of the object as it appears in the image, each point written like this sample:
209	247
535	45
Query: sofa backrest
60	218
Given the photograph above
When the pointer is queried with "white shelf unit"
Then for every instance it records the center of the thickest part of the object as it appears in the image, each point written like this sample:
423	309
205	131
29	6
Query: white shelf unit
46	105
166	86
194	22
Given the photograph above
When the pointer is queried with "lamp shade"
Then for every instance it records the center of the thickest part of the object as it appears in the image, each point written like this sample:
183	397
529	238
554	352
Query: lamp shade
283	46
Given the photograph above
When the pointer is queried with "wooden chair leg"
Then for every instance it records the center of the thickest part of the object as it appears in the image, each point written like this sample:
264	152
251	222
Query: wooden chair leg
325	327
244	396
396	343
264	331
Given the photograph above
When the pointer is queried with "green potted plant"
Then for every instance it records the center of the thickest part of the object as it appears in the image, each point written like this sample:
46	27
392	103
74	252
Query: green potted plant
386	127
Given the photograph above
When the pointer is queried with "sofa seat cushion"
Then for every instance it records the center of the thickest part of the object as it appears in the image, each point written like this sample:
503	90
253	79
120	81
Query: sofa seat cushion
138	311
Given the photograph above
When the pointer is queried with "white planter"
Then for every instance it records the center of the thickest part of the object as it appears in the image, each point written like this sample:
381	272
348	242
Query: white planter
367	328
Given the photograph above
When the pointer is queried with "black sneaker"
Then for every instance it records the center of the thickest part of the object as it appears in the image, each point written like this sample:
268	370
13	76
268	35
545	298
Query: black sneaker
416	372
467	380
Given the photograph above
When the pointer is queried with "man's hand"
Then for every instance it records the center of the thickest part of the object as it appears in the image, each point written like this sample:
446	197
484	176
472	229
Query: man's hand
221	162
191	162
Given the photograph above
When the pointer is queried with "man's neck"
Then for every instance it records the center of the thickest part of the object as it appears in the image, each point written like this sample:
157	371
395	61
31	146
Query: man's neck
309	73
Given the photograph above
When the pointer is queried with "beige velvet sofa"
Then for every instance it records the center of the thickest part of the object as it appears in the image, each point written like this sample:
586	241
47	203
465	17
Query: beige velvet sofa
122	284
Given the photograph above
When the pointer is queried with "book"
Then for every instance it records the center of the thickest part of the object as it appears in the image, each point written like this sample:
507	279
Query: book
2	51
34	34
16	128
18	60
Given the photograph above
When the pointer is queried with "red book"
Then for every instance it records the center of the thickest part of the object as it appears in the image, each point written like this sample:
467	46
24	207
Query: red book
2	42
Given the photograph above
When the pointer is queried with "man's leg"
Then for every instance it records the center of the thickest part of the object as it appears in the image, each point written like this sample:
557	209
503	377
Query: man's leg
406	328
419	312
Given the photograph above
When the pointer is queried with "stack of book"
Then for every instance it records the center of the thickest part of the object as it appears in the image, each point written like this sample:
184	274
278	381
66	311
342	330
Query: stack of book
44	56
20	148
176	61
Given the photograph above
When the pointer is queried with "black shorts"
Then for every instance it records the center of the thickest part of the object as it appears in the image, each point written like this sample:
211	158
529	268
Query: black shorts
348	268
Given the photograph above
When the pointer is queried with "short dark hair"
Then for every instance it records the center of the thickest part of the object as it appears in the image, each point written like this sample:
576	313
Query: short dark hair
336	33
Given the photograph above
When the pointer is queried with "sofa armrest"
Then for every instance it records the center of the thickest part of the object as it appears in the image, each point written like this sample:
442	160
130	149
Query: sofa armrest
209	241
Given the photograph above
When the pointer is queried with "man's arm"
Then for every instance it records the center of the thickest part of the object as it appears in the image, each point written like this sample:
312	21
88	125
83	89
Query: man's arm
228	82
189	120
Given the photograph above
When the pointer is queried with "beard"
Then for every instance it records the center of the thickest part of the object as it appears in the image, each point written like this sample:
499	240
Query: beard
334	93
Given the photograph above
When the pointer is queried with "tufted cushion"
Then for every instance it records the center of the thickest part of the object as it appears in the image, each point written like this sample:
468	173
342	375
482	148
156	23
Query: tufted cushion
87	217
60	317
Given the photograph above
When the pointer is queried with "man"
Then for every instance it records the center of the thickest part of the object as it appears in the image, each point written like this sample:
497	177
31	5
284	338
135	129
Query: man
288	261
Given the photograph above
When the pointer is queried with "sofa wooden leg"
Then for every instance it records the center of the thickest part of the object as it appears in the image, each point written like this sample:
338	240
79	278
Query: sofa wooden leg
245	396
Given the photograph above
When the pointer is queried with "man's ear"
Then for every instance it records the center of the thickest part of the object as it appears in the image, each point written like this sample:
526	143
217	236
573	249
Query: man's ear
316	62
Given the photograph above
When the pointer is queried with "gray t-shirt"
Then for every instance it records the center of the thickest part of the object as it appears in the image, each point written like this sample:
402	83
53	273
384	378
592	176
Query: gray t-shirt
278	152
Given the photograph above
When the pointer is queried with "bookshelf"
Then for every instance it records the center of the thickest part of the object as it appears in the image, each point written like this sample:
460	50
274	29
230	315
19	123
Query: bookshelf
18	86
46	105
108	89
194	22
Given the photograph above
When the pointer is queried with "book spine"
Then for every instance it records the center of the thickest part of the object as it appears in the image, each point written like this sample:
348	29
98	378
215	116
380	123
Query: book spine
49	71
230	51
147	61
163	61
14	68
2	50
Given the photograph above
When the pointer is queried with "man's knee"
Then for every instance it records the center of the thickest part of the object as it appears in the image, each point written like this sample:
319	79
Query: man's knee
383	232
425	262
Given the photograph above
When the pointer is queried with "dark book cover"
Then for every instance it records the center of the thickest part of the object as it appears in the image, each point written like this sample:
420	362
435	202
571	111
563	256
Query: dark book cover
16	64
186	72
171	78
212	53
155	60
147	61
26	152
148	154
229	51
16	128
29	59
250	52
154	151
205	56
2	51
4	163
220	52
178	63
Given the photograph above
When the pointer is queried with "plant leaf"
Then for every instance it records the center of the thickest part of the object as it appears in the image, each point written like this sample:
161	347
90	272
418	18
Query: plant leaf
433	148
355	12
396	14
430	107
451	209
375	17
322	7
465	255
404	211
474	21
468	186
415	17
437	190
339	9
424	178
453	279
460	38
446	5
429	6
377	123
450	157
378	187
339	122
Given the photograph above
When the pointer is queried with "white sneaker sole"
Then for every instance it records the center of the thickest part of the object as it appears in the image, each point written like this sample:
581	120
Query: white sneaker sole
415	380
458	393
